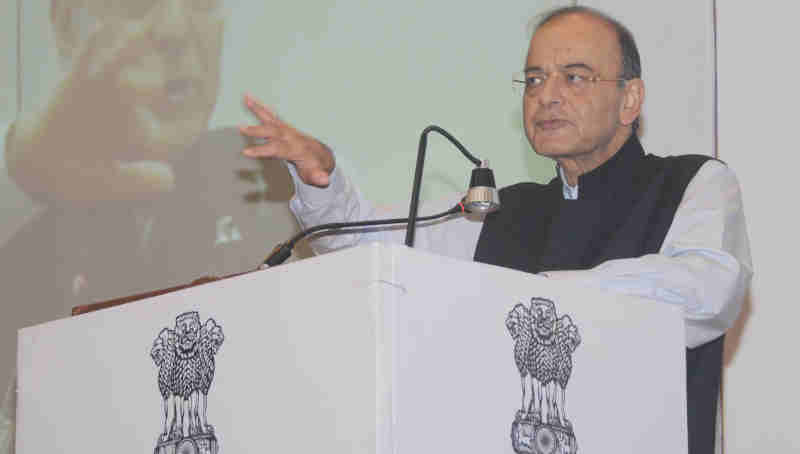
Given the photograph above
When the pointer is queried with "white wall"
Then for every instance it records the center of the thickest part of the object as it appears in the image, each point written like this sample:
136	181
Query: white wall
758	95
675	41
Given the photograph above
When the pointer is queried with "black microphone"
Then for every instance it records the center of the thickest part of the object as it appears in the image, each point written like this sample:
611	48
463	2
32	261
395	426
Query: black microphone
482	194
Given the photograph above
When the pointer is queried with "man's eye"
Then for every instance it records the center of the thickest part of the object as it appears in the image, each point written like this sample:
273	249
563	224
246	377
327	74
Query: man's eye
573	78
534	81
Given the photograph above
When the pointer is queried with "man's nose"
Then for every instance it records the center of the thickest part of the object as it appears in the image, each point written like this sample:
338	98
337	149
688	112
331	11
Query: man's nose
552	90
171	25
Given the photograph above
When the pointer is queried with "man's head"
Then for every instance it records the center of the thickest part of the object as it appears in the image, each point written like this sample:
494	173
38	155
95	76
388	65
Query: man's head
159	58
584	92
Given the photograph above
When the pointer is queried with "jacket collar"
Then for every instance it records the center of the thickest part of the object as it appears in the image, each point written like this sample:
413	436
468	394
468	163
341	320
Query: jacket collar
615	174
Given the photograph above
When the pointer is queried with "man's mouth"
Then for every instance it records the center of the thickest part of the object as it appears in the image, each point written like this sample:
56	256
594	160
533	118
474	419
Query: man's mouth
551	125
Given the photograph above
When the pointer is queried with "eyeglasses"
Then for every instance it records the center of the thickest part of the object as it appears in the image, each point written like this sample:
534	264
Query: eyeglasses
578	81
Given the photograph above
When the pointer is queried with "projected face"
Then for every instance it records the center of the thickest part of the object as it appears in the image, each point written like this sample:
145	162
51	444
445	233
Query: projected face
149	68
561	121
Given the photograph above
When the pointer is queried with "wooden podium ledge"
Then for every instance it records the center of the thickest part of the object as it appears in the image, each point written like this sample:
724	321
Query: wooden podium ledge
86	308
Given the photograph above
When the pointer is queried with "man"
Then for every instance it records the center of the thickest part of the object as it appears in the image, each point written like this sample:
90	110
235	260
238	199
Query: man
132	192
669	229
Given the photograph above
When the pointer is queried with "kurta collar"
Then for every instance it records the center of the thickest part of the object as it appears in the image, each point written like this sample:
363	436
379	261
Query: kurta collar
617	172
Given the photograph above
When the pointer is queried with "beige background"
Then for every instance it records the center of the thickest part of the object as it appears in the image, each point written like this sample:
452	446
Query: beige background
757	137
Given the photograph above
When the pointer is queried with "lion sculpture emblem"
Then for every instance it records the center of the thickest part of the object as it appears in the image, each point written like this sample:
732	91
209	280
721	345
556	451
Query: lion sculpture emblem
184	356
543	347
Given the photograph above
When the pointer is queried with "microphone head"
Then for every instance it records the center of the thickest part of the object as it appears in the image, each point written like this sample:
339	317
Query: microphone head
482	195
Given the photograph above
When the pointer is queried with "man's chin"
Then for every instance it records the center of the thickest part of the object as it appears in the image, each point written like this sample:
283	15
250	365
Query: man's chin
554	150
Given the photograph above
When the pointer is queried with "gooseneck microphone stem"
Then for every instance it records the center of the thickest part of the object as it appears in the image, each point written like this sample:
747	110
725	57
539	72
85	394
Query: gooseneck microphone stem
423	145
481	198
284	250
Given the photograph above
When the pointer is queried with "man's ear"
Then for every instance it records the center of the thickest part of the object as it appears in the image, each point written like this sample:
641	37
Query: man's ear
632	101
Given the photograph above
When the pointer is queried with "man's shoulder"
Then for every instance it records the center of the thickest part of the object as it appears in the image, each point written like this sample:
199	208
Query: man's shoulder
683	167
674	174
683	160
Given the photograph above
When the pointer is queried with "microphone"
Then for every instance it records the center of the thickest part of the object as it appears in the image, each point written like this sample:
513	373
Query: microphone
482	194
481	198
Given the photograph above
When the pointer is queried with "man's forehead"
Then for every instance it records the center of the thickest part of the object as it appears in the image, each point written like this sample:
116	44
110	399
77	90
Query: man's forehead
574	39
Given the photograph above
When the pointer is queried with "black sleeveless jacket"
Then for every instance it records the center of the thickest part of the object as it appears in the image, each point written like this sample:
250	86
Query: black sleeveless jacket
624	209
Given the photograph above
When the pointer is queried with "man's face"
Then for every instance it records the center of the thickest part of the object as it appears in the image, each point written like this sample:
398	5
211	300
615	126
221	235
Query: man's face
164	65
561	121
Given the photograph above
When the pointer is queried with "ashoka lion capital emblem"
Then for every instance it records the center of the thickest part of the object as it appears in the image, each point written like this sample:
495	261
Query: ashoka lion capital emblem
543	347
184	356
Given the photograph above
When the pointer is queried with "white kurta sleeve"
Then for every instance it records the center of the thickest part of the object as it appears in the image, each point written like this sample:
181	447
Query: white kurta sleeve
704	264
341	201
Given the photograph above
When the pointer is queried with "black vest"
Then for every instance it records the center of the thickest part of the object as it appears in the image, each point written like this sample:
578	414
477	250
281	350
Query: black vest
624	209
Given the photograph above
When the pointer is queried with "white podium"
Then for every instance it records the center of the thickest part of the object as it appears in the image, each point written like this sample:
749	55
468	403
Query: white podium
377	349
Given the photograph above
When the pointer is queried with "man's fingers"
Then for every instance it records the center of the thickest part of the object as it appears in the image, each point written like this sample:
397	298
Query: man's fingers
272	149
268	150
264	131
260	110
313	161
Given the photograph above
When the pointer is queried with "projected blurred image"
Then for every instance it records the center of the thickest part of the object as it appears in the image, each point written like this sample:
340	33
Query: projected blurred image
136	192
142	79
115	184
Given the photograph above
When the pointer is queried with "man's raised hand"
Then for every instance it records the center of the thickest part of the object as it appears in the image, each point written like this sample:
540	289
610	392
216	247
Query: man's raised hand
313	160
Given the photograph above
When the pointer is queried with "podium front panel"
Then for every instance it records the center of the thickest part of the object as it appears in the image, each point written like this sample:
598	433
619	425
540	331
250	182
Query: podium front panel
293	359
459	370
